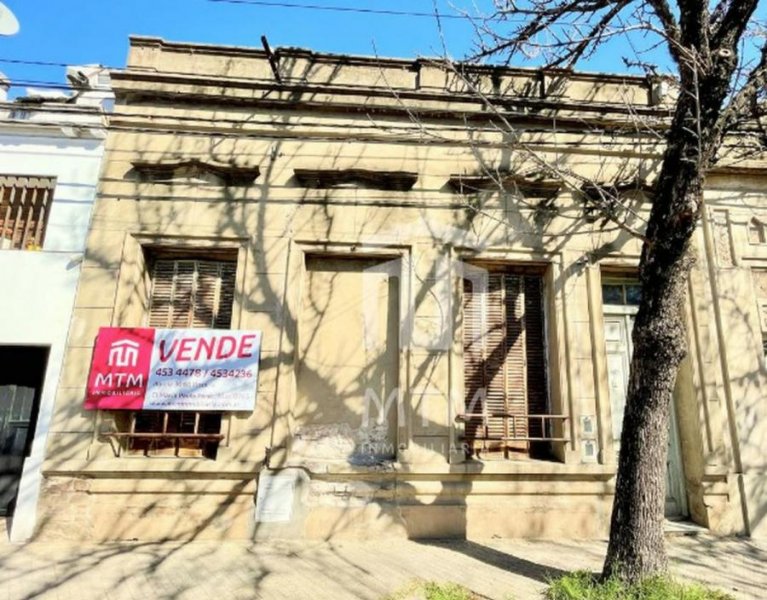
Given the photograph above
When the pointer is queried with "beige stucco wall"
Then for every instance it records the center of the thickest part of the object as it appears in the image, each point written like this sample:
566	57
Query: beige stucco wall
332	116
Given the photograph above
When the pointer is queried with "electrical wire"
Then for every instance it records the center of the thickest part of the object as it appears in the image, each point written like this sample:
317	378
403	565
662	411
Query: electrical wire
345	9
44	63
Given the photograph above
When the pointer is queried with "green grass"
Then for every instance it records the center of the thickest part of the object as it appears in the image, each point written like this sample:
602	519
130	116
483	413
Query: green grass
584	586
431	590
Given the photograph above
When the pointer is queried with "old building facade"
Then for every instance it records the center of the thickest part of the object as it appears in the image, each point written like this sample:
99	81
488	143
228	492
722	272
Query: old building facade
446	319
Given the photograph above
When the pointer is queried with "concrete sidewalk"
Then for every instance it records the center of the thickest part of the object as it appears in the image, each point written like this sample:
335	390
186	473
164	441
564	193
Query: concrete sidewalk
496	568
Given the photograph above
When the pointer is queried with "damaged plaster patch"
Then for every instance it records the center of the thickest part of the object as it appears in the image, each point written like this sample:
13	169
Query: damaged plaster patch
363	446
325	442
350	493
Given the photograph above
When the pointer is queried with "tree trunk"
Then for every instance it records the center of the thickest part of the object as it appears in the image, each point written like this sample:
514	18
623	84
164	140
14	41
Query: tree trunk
636	549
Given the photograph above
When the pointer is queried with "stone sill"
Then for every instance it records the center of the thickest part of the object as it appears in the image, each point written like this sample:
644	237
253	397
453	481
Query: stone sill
531	467
166	466
493	468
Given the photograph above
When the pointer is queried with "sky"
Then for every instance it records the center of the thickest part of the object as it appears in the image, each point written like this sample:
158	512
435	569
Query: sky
96	31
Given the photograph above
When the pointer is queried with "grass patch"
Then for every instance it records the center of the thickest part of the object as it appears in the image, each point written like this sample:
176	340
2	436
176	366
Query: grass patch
431	590
584	586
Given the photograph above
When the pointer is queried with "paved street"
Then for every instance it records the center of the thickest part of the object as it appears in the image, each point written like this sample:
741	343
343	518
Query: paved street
496	568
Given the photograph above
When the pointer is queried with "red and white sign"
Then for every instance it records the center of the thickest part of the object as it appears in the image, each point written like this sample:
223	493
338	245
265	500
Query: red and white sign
174	369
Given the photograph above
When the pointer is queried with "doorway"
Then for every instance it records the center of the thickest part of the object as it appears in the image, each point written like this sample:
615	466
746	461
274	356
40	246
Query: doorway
348	370
22	369
620	300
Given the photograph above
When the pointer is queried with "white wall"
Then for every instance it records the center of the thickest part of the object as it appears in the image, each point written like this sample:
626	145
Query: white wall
39	287
75	163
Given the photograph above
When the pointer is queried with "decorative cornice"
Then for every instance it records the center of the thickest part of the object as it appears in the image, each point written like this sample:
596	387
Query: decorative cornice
289	95
415	64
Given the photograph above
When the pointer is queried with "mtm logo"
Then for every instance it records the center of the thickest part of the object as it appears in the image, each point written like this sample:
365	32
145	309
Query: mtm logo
123	353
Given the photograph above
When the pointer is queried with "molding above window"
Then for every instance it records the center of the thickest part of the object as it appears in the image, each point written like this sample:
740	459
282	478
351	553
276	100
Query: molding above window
529	187
596	190
173	171
396	181
152	238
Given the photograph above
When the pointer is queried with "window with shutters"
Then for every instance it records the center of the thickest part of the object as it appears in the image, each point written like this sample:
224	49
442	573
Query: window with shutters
25	204
506	391
192	294
186	293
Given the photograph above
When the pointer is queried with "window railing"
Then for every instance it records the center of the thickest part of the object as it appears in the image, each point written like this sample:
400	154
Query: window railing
527	428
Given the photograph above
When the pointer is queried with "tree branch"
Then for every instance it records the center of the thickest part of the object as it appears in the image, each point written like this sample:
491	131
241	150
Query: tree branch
746	97
594	35
667	19
543	17
694	24
733	23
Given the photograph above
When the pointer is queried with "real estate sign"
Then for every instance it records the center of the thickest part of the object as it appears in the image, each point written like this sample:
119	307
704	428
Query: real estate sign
174	369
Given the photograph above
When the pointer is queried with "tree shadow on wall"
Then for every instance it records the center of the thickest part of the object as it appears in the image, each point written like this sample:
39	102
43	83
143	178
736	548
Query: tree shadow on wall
196	502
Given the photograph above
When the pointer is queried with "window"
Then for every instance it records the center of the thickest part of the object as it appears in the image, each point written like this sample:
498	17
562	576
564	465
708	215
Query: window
25	204
192	294
506	399
621	293
186	293
174	433
756	233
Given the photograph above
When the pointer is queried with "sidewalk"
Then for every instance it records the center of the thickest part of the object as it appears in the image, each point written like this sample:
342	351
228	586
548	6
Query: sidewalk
496	568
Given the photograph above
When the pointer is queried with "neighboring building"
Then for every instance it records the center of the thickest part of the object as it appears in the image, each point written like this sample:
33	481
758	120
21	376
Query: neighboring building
51	146
349	213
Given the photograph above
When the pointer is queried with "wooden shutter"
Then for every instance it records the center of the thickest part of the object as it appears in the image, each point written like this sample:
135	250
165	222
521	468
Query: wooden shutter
504	360
515	359
473	358
24	208
535	348
192	294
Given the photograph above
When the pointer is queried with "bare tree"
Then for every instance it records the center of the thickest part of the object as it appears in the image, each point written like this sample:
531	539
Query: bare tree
717	87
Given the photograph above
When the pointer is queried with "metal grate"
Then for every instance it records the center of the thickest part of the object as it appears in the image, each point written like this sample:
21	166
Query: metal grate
155	433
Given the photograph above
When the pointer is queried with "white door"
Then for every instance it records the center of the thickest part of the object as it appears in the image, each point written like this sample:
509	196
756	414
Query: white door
619	321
